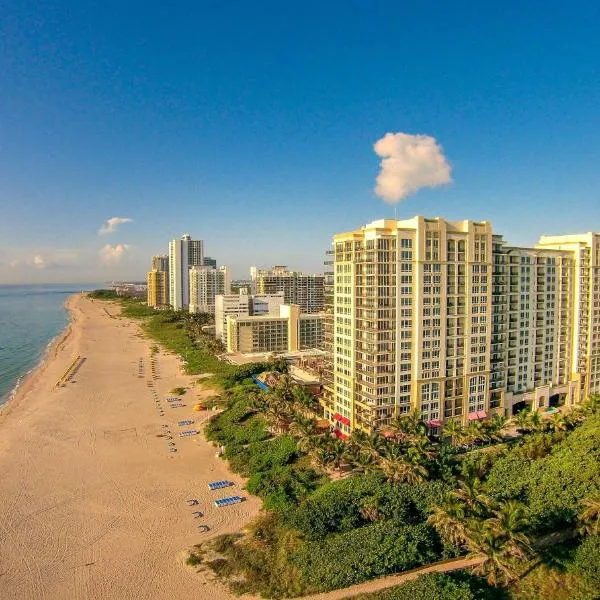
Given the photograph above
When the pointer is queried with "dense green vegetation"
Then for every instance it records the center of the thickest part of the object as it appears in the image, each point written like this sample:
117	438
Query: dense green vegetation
103	295
437	586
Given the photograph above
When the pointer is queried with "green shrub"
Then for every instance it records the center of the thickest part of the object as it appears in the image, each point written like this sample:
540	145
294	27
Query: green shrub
343	505
103	295
586	564
554	485
432	586
343	559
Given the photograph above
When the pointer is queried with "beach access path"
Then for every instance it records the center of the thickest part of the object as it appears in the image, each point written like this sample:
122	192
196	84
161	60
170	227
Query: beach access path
93	505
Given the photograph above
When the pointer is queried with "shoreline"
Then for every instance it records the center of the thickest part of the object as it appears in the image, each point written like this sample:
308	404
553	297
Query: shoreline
93	504
28	380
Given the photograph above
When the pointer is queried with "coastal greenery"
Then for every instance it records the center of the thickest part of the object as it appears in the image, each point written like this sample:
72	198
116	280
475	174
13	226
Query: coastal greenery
404	500
103	295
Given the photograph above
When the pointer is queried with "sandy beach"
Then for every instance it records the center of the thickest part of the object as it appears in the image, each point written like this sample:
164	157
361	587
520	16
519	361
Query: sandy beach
93	505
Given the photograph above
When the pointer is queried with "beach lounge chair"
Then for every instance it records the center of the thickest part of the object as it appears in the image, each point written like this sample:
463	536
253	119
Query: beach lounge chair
228	501
218	485
186	422
197	514
193	502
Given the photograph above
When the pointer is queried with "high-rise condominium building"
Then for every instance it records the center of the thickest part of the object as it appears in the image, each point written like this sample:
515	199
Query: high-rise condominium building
298	288
205	284
209	262
445	318
160	263
158	288
411	322
243	305
288	331
584	324
183	254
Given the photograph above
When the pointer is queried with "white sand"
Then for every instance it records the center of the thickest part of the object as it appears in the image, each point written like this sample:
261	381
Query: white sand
92	503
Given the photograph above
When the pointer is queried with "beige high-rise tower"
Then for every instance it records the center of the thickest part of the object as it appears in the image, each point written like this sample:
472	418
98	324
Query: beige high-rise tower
585	310
411	322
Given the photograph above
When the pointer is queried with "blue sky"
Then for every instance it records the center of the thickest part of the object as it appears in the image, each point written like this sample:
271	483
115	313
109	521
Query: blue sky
251	125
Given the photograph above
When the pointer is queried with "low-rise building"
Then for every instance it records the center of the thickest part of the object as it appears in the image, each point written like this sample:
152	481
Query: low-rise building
243	305
288	331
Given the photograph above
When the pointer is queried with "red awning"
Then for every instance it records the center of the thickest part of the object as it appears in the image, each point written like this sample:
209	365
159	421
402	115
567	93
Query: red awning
476	416
339	434
341	419
434	423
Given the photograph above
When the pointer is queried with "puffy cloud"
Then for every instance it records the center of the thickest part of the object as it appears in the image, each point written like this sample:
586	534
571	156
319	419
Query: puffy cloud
49	259
112	255
409	162
112	224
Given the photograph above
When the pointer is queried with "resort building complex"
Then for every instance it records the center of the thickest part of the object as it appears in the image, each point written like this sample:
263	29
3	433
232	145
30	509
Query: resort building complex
304	290
183	254
445	318
288	331
243	305
205	283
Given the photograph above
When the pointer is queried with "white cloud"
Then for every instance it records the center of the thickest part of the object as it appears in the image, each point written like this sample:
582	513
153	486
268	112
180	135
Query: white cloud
39	262
409	162
112	224
112	255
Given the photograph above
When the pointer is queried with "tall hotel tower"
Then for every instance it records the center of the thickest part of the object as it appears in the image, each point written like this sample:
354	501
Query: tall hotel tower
183	254
446	319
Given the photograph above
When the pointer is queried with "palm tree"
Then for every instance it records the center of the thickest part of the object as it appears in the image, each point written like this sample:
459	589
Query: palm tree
522	420
558	423
499	564
304	399
454	430
536	422
449	520
397	469
589	516
509	521
471	492
305	431
284	390
362	462
278	416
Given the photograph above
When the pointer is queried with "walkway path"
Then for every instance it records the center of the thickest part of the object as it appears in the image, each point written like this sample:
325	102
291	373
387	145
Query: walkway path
376	585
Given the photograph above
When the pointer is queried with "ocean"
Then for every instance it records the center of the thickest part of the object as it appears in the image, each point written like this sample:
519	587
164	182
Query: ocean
31	316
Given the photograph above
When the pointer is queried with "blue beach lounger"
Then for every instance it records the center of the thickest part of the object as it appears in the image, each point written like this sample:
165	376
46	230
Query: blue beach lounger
217	485
228	501
186	422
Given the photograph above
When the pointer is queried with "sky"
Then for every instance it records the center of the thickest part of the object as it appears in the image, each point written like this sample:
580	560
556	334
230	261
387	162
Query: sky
262	127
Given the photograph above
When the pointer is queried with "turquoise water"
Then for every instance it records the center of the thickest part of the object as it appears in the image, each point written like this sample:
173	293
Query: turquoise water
30	317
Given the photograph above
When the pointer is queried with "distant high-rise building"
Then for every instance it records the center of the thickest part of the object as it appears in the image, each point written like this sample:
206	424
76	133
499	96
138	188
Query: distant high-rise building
183	254
205	284
305	291
160	263
158	288
210	262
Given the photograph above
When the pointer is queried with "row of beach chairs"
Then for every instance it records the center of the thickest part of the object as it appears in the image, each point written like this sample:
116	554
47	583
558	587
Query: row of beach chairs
228	501
188	433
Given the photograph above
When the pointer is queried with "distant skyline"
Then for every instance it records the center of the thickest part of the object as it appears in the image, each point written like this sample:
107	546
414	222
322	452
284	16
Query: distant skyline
261	127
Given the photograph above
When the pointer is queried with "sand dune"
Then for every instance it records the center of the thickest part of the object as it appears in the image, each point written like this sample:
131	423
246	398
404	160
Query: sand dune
92	502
